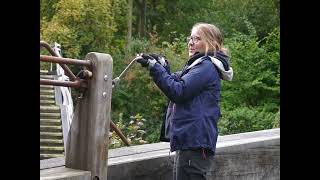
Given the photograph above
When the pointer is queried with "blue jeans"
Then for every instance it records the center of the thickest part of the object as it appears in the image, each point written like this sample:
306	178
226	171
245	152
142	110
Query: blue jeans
192	165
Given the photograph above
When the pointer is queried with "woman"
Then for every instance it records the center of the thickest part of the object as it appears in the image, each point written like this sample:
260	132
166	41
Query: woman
194	94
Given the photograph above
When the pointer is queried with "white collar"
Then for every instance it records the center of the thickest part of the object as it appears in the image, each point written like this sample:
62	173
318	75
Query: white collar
197	61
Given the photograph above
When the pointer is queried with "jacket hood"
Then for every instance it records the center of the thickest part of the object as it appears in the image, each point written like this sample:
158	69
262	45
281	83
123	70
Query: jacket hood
220	60
224	59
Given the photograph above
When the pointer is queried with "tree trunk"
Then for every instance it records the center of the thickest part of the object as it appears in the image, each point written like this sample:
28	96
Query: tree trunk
129	33
142	18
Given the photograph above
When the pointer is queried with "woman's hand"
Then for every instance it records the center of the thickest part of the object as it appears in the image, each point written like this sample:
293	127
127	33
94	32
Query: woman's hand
162	60
146	60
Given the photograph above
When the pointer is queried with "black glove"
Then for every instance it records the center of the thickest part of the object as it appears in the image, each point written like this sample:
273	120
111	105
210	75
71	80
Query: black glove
162	60
145	60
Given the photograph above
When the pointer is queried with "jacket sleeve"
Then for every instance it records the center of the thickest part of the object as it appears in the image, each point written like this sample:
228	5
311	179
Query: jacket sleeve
176	75
187	87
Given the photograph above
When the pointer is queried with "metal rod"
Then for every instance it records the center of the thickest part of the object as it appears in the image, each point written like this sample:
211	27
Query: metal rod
115	81
125	70
119	133
64	67
75	84
65	60
48	47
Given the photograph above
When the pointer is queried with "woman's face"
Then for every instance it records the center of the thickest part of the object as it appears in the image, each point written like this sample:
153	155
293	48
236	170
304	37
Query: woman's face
195	43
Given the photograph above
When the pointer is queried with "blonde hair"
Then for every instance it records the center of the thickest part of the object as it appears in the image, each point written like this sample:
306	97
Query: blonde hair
212	37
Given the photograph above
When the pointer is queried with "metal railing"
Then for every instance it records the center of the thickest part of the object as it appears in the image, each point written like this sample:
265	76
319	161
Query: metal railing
75	81
64	67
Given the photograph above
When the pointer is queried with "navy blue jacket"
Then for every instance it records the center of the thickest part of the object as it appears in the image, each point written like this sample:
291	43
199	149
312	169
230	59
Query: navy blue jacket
195	95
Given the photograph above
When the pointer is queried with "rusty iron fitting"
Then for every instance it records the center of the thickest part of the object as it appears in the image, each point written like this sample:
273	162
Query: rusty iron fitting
87	74
74	84
65	60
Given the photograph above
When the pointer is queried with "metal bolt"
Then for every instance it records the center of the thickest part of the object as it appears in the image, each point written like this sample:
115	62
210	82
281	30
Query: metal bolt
104	94
105	77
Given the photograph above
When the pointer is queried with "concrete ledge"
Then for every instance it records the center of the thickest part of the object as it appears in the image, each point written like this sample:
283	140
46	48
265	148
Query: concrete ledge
63	173
245	156
52	163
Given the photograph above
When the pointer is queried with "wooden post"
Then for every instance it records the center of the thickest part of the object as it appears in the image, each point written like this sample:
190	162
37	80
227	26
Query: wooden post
88	139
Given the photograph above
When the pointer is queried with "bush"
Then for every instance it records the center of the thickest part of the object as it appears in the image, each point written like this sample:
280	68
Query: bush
134	131
245	119
276	122
256	67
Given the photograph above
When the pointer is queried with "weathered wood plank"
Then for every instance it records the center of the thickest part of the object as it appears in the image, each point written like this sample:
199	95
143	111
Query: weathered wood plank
245	156
63	173
246	135
138	149
222	141
89	132
52	162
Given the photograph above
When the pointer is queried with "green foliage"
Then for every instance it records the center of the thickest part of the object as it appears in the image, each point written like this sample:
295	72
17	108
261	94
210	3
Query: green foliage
245	119
276	122
47	9
45	65
232	15
256	71
177	17
134	130
138	46
119	14
81	26
251	101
